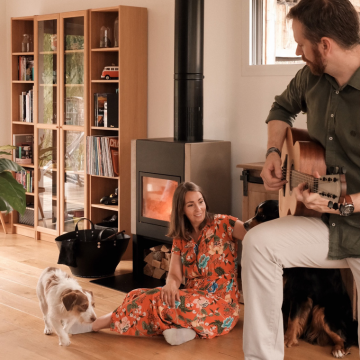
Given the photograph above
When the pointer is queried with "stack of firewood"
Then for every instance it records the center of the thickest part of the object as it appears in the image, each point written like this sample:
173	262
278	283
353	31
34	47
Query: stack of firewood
158	262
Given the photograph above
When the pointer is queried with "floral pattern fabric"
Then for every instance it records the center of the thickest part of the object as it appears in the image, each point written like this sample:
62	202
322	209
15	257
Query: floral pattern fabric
209	304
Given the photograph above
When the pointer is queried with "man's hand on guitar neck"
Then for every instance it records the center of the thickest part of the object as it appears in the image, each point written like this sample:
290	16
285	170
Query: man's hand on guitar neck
311	200
271	173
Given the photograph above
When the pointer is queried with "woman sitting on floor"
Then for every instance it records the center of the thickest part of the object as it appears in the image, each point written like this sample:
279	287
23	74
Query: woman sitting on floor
204	251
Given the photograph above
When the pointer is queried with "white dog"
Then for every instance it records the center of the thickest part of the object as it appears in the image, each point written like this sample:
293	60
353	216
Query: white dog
63	302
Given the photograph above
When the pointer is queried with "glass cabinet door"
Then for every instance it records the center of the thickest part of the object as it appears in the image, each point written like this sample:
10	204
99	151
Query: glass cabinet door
47	71
74	179
47	178
73	123
74	65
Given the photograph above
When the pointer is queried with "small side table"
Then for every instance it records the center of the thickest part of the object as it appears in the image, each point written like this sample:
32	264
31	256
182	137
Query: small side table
254	191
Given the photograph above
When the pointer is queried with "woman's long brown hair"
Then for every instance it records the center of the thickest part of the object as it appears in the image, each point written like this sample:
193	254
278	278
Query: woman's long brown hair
180	226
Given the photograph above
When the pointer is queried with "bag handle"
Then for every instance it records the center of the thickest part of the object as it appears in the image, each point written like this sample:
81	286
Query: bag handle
76	226
111	236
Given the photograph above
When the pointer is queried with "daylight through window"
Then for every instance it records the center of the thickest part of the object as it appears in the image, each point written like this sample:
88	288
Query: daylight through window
272	40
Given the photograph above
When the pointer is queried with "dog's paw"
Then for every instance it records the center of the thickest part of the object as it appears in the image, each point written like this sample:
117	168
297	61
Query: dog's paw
339	352
65	341
47	331
291	341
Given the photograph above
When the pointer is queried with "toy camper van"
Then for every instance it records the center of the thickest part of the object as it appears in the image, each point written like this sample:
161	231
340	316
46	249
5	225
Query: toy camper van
110	72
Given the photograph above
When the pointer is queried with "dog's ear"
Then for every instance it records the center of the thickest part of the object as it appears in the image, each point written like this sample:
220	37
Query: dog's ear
68	298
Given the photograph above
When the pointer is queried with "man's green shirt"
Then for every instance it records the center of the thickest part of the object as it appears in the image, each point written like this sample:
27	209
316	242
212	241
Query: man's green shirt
333	119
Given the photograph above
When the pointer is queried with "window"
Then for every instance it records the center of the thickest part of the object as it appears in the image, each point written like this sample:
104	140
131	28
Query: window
272	40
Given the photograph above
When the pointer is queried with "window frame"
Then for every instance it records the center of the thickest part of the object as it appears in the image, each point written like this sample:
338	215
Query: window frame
247	45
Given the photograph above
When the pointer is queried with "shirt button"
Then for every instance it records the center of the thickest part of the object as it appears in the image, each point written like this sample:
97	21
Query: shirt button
332	115
337	92
333	224
330	138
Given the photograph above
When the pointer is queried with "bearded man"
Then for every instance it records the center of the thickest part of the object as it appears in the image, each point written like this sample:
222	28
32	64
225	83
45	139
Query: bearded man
327	89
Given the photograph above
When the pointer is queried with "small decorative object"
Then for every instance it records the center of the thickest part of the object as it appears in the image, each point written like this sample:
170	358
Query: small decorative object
53	42
112	199
105	41
116	32
25	45
110	72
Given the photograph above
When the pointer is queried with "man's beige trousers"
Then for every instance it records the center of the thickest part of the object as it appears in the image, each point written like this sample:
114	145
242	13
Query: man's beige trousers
292	241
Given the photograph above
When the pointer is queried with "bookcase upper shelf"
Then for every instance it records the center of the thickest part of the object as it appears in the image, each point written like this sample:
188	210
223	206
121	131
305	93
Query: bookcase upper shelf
106	49
22	53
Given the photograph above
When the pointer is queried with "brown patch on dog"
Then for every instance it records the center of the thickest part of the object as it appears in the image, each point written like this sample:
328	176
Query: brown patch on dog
297	326
51	268
72	298
52	281
317	328
92	296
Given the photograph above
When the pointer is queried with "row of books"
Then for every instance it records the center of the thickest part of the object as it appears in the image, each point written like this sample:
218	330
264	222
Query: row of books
26	106
26	68
25	178
106	108
102	155
23	154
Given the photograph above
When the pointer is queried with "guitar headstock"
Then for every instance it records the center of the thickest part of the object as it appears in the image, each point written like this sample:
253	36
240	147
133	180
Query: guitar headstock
332	187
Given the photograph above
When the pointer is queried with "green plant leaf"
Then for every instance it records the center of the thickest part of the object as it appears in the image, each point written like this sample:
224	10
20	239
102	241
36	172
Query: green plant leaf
12	193
6	164
4	153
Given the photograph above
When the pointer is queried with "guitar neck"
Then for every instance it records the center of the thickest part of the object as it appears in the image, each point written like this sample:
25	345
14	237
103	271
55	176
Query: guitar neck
327	186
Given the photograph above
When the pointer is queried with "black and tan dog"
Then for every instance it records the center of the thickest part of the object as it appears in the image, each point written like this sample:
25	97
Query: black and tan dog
316	305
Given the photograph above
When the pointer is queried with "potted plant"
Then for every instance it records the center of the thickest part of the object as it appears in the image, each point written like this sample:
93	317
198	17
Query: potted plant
12	194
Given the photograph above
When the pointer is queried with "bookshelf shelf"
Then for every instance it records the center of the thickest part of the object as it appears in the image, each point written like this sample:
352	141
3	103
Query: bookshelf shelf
104	81
71	85
22	123
47	52
23	226
47	169
53	85
104	128
106	207
106	177
23	82
106	49
74	51
22	53
26	165
29	193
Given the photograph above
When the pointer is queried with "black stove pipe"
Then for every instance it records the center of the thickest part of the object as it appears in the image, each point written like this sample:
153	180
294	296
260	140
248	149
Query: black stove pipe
189	64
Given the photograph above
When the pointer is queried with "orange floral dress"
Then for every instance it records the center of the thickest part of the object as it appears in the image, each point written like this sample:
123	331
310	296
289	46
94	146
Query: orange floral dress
209	303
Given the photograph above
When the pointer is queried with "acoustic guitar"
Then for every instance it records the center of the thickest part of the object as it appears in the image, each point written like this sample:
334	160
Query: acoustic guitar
300	158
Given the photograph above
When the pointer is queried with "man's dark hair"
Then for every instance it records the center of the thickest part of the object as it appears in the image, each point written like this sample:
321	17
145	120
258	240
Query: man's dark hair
335	19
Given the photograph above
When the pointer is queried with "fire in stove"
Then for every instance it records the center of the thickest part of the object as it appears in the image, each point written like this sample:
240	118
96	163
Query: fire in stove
157	197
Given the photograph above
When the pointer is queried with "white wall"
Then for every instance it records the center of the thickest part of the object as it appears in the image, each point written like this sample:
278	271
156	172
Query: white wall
235	106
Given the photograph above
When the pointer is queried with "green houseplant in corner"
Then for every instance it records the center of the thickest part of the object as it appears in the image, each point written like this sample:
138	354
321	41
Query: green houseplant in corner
12	194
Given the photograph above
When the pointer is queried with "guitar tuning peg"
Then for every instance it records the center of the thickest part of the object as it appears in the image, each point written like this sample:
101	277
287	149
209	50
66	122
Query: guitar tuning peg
334	196
343	170
336	170
330	170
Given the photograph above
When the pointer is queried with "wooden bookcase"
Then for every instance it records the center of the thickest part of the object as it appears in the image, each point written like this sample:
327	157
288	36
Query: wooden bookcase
54	195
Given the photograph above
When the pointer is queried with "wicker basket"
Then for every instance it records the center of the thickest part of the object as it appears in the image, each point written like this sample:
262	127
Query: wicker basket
28	217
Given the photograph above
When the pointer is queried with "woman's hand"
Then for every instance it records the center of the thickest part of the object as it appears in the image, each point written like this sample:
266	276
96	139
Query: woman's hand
170	293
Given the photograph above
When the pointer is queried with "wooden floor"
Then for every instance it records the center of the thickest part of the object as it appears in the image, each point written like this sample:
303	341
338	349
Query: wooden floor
21	327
